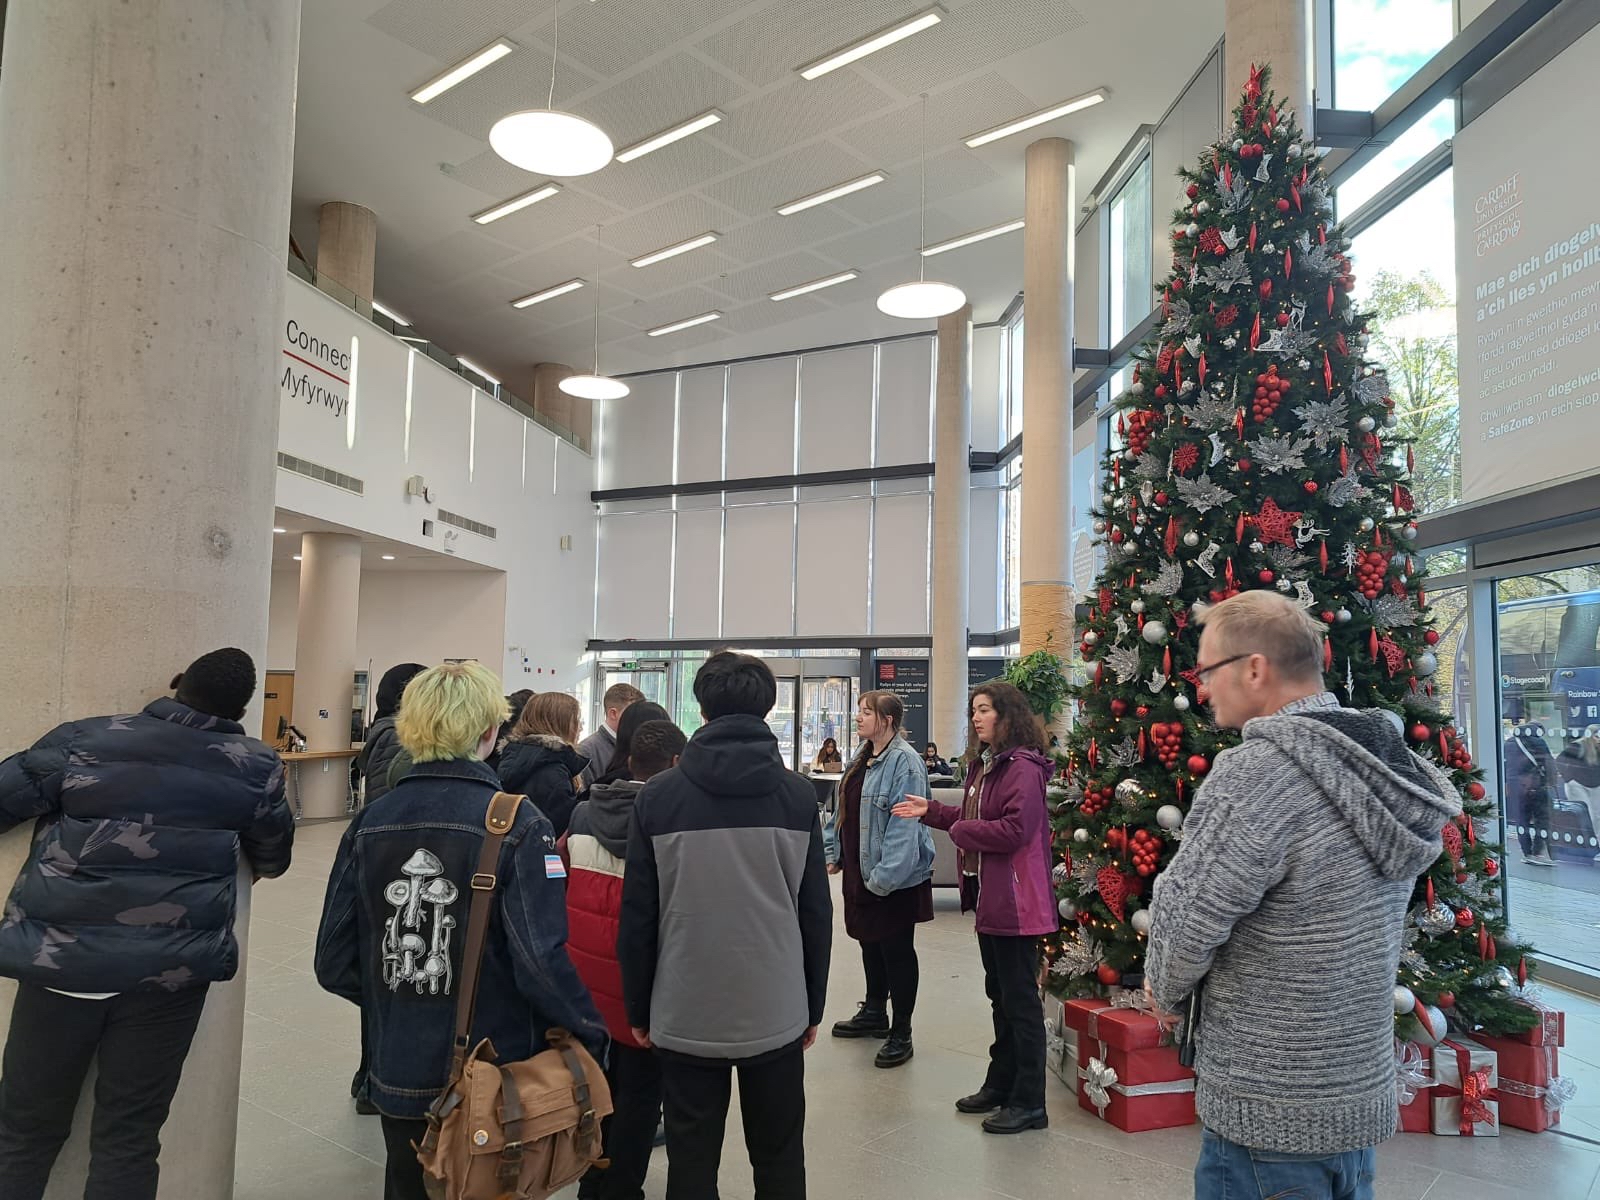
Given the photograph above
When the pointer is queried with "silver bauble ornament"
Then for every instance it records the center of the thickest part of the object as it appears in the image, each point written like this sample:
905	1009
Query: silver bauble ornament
1108	498
1191	229
1366	424
1129	791
1294	150
1203	207
1503	978
1342	616
1425	664
1067	909
1191	539
1169	816
1435	1029
1099	526
1080	835
1390	420
1140	921
1155	632
1181	703
1090	637
1404	1000
1136	388
1136	606
1367	524
1284	585
1409	531
1238	144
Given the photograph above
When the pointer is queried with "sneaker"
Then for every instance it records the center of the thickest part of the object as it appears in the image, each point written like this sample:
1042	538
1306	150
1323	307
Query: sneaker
1540	860
896	1051
867	1023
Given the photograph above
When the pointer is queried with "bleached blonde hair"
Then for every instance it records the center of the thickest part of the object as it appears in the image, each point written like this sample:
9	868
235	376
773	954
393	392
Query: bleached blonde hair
1269	624
446	709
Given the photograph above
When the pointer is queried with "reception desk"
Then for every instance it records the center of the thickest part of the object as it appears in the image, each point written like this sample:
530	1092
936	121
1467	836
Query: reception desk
321	762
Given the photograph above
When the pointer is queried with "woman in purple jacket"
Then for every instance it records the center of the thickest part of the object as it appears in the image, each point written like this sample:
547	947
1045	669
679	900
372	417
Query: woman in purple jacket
1002	832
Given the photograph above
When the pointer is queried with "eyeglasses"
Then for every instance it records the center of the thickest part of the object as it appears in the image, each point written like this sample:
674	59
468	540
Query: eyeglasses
1200	673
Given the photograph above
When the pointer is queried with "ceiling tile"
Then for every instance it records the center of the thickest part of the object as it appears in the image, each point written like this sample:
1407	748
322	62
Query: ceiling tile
772	235
542	224
658	97
676	168
770	43
949	174
976	34
673	306
449	30
894	138
609	38
664	225
516	82
451	258
757	283
891	241
799	112
704	265
764	314
760	189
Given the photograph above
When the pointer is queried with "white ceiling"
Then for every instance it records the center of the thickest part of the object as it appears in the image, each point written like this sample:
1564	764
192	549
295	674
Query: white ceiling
638	66
286	545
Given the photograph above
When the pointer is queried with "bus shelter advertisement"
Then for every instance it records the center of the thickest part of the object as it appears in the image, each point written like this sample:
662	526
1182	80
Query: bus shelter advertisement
1528	285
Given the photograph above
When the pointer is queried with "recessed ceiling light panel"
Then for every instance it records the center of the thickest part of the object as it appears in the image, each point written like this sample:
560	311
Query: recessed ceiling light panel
968	239
871	44
816	285
549	293
516	203
833	193
464	70
1044	115
667	136
690	323
666	252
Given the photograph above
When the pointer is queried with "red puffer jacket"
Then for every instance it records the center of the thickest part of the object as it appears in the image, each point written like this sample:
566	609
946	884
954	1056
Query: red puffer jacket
597	846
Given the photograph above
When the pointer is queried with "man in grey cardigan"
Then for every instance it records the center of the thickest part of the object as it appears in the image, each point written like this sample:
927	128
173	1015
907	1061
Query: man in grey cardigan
1288	900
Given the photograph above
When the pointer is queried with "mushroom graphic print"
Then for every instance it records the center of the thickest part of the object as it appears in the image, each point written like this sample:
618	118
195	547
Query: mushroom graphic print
420	901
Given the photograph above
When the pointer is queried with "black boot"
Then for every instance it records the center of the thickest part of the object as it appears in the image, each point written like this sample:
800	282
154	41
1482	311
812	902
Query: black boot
869	1022
981	1101
896	1051
1016	1120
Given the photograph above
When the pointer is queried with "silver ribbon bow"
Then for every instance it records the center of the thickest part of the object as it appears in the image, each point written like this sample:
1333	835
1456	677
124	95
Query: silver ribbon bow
1098	1080
1133	998
1412	1072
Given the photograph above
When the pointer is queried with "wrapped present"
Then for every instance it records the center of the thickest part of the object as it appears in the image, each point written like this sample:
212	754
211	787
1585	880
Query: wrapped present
1551	1029
1466	1095
1124	1026
1413	1078
1061	1043
1136	1107
1532	1088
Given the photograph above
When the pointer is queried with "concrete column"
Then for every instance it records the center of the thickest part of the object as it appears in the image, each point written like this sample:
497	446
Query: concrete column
1046	558
572	413
144	215
1275	33
325	666
952	529
347	245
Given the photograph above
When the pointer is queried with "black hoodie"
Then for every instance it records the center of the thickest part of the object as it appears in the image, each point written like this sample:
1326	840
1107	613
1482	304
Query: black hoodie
542	769
726	881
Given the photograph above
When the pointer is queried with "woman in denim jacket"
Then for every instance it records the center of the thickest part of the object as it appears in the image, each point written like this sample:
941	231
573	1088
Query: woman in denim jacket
888	868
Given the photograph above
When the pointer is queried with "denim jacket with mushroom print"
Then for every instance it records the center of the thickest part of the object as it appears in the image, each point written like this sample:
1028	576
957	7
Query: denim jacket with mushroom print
394	927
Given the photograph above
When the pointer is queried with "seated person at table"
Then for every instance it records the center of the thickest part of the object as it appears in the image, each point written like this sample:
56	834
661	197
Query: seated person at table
933	763
828	760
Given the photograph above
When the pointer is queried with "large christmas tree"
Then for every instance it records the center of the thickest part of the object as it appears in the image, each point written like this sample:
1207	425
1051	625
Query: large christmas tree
1255	449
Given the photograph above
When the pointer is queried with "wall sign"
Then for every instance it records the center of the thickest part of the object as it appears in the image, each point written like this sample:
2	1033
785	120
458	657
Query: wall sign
316	371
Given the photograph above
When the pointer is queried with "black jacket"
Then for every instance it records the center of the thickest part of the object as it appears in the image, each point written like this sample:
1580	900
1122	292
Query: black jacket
726	881
378	753
131	882
542	768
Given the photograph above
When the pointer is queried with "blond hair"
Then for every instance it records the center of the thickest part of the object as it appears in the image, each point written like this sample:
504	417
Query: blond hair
445	711
551	714
1274	626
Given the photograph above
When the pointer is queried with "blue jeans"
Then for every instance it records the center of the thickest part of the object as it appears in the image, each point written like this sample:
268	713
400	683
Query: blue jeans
1229	1171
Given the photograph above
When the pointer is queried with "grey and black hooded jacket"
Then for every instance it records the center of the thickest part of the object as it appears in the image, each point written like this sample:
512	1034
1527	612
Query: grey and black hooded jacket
727	920
1288	899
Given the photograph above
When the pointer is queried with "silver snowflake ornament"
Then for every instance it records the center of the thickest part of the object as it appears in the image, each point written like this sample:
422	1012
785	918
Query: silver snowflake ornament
1212	412
1326	422
1203	494
1285	452
1346	489
1124	660
1228	274
1168	581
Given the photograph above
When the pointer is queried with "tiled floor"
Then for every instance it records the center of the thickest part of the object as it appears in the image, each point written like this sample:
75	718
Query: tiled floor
872	1134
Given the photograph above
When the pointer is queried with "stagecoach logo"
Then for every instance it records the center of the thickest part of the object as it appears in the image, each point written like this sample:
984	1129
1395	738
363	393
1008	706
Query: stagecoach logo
1523	681
315	371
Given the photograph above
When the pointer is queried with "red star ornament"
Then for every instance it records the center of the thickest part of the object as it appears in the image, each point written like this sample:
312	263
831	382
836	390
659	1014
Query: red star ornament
1275	524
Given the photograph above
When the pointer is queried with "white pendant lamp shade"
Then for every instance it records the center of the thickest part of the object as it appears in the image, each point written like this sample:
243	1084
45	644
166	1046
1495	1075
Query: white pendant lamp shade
547	142
594	387
921	299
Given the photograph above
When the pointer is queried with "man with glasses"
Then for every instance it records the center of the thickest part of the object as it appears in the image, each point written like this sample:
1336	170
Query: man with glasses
1287	900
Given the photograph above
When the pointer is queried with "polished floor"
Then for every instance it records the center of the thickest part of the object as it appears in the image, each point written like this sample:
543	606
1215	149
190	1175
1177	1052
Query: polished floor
871	1134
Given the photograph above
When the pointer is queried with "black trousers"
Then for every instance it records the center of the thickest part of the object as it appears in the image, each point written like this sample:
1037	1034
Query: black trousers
772	1099
402	1175
1011	981
630	1131
1533	834
893	974
140	1040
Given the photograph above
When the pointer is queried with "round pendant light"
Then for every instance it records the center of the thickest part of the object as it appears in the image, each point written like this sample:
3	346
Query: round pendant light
922	298
547	142
595	386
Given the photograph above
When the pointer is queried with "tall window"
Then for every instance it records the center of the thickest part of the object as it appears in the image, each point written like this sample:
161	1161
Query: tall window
1131	236
1014	344
1012	504
1406	278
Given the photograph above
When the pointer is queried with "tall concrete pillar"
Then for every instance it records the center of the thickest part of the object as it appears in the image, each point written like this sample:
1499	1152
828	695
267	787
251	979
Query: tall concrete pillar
144	212
347	246
1046	558
1275	33
325	666
572	413
952	529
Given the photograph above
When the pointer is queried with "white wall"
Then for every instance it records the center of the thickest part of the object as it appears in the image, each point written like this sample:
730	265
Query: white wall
411	616
410	416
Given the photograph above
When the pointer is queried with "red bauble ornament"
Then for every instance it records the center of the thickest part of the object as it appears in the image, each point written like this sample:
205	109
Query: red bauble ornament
1107	974
1311	486
1192	191
1283	319
1198	764
1119	708
1475	790
1283	206
1445	1000
1142	711
1464	919
1491	868
1420	732
1266	576
1117	536
1431	637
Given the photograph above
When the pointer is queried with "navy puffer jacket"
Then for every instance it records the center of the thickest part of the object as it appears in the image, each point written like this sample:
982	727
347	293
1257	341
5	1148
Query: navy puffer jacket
131	884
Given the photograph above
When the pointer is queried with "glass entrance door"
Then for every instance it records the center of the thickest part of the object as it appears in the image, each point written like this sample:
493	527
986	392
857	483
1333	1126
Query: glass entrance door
781	720
650	677
827	710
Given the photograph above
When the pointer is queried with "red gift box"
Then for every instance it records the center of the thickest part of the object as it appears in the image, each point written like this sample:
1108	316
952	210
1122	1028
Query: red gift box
1121	1028
1413	1080
1162	1102
1532	1090
1551	1029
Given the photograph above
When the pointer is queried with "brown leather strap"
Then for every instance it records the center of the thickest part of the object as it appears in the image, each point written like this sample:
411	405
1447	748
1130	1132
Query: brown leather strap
497	823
